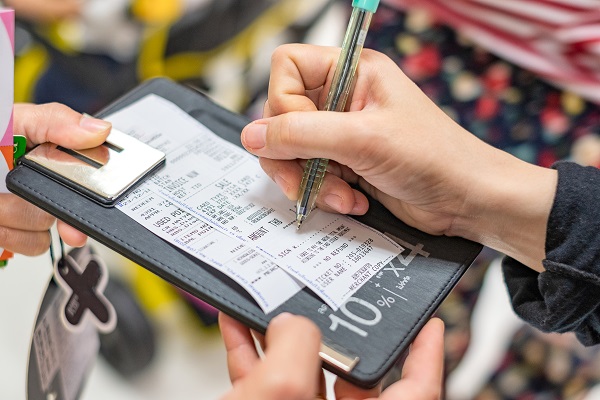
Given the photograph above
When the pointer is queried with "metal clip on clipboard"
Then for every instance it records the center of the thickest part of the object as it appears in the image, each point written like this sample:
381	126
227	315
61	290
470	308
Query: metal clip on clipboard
104	173
336	357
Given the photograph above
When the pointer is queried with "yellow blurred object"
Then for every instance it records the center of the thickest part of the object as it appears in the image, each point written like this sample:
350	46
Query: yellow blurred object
29	66
188	65
151	291
572	103
157	11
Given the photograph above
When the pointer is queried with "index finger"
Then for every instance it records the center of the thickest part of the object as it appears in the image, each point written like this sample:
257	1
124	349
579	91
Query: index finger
59	124
241	352
298	75
422	372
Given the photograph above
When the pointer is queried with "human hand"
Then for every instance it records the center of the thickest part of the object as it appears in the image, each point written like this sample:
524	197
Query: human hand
24	227
400	148
45	10
291	367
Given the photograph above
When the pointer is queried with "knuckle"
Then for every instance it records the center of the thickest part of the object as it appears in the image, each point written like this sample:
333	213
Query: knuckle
55	111
57	108
286	134
37	245
279	54
28	243
283	52
46	220
376	57
39	220
4	237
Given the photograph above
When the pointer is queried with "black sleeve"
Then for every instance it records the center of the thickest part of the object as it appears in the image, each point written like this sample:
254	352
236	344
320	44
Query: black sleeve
566	296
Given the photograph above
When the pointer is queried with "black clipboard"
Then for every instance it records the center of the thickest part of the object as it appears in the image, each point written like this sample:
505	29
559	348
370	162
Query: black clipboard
361	341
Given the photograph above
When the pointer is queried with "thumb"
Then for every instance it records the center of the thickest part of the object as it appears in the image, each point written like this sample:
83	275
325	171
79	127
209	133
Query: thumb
59	124
309	134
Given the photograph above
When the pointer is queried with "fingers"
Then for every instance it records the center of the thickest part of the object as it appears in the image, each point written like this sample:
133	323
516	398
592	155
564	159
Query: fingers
335	195
24	242
59	124
298	75
425	363
312	135
241	353
291	367
347	391
291	342
70	235
286	174
19	214
423	369
292	364
23	227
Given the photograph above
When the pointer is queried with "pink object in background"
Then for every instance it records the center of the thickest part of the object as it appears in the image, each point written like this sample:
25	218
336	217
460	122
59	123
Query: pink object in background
7	63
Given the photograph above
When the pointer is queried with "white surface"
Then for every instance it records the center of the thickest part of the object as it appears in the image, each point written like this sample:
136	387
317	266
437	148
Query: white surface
21	286
3	172
190	361
493	324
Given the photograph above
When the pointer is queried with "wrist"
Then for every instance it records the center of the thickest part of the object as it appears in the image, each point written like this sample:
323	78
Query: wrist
508	207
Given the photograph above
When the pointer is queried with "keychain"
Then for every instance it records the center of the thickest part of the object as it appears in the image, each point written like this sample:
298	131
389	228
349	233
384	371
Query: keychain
83	276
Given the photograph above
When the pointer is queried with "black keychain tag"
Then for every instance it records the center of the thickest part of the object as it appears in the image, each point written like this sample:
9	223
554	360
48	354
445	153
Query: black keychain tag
83	277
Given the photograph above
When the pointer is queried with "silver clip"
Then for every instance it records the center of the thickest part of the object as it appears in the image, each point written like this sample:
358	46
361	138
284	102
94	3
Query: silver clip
337	359
106	171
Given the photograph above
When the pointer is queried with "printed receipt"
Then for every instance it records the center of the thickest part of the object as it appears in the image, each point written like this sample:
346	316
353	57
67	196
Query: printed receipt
268	284
223	186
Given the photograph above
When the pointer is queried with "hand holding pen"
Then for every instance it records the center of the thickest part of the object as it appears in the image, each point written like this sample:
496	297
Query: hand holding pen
340	88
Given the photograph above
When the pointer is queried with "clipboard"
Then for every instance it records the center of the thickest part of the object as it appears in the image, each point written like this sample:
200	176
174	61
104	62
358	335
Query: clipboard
360	342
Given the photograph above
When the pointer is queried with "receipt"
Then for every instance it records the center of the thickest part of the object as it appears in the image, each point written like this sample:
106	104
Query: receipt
223	186
268	284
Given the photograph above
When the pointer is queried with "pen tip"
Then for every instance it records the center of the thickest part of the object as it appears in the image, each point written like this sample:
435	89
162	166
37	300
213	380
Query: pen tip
299	220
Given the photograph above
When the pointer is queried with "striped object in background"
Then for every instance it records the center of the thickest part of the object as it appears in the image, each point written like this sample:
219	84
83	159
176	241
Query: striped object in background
558	40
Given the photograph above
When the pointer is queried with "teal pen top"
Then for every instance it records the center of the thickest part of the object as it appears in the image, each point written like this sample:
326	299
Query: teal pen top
368	5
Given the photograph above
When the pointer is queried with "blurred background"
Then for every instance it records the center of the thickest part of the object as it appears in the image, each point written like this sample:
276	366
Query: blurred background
86	53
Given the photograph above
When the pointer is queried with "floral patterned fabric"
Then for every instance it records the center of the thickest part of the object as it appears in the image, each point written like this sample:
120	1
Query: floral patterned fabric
502	104
543	367
513	110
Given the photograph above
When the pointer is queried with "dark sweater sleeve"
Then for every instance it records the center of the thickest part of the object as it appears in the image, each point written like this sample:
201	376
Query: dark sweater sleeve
566	296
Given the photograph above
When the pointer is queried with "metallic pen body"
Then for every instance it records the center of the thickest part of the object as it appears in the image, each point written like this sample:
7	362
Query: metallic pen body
340	88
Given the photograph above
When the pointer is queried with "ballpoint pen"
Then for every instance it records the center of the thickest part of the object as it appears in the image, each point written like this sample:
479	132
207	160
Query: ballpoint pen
341	84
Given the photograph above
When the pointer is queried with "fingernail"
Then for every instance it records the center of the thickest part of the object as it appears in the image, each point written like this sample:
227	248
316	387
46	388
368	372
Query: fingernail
333	201
94	125
358	208
281	317
255	135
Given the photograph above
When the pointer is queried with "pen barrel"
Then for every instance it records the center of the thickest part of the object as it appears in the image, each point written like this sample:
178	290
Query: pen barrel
343	77
314	172
339	90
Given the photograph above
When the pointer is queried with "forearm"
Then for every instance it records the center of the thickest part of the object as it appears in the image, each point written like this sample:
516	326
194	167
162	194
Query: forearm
565	297
509	206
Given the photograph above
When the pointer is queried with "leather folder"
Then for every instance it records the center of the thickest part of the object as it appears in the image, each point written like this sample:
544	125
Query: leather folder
361	341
